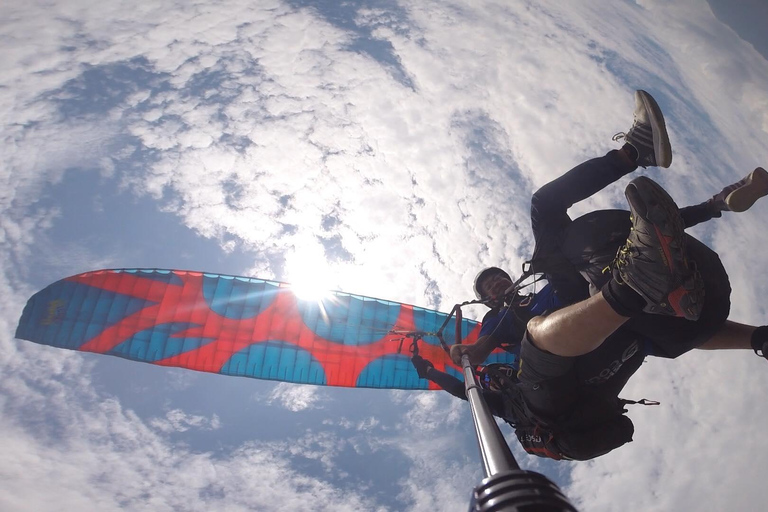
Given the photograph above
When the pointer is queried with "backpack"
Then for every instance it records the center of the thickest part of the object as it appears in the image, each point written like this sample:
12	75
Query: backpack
597	426
572	437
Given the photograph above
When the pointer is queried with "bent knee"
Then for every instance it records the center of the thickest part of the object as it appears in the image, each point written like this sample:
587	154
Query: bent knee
534	329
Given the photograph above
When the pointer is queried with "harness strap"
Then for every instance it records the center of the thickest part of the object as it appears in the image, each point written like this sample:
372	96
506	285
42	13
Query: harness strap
644	401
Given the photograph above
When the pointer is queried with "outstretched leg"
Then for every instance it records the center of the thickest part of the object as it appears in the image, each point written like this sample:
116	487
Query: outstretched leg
738	197
647	144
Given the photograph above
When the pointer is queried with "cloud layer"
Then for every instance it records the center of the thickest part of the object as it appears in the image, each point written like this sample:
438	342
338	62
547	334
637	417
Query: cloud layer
391	148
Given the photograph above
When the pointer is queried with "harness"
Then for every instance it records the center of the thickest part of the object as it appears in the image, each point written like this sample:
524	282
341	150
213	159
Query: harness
596	427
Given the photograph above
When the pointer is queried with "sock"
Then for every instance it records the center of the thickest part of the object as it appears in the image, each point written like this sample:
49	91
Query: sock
758	339
630	150
623	299
714	207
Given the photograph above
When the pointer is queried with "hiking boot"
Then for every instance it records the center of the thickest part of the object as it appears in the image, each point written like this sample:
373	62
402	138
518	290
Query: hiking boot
653	261
740	196
648	134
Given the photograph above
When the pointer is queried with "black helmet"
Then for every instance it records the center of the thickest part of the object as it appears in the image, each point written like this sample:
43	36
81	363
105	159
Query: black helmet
485	274
498	375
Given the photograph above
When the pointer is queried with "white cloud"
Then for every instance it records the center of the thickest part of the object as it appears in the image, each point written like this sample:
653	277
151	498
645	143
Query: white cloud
443	470
704	425
297	138
115	473
179	421
297	397
93	453
430	410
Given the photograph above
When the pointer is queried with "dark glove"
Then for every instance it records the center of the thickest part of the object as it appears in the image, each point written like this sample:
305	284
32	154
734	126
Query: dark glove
760	341
763	351
422	366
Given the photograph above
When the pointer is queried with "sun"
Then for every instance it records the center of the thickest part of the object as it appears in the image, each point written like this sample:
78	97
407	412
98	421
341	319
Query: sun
313	288
310	277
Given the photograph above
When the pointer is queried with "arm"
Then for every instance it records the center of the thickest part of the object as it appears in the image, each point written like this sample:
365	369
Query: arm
448	382
454	386
503	328
426	370
478	351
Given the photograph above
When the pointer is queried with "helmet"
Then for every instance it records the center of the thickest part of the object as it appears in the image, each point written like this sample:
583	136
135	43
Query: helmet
484	379
485	274
496	376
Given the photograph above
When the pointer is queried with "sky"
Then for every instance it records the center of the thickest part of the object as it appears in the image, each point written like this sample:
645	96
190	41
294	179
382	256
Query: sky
376	147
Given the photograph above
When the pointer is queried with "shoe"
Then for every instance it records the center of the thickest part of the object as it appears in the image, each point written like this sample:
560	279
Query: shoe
653	260
648	134
740	196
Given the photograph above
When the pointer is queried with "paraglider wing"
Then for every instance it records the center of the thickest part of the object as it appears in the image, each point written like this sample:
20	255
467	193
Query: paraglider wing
239	326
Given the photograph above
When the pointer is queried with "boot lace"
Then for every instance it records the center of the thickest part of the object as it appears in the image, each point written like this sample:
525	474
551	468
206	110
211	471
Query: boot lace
621	259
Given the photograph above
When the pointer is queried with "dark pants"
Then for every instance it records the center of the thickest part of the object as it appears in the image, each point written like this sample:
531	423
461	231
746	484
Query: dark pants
565	249
572	254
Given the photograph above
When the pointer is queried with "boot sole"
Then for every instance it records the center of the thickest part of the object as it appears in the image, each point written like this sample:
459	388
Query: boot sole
662	213
661	210
756	187
661	146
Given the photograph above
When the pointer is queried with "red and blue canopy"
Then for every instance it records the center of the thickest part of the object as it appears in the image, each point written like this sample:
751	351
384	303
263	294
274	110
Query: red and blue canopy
241	326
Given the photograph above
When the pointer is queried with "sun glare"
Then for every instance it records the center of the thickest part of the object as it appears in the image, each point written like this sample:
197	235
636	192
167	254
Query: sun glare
311	289
310	278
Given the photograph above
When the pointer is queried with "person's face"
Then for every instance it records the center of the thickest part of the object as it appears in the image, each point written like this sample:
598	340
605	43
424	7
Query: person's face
494	286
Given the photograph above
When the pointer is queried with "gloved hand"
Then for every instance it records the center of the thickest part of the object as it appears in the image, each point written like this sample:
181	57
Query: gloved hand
422	366
763	351
760	341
